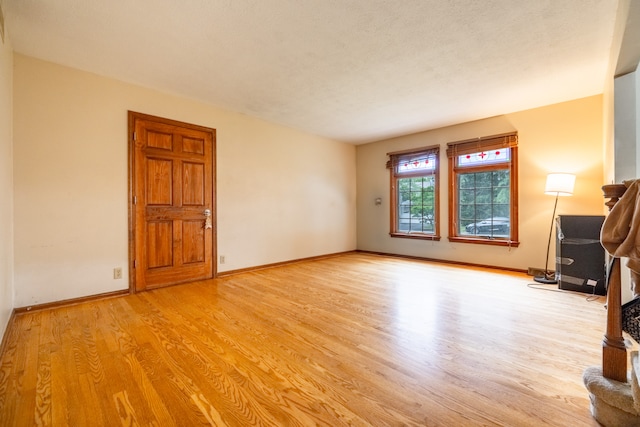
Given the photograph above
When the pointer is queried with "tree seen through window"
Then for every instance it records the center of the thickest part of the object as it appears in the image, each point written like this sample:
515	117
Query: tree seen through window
484	199
484	196
416	204
414	193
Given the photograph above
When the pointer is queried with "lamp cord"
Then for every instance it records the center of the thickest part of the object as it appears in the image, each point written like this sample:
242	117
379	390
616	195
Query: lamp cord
546	262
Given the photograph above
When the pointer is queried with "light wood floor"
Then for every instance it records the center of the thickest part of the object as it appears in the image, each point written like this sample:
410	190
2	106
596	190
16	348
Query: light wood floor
355	340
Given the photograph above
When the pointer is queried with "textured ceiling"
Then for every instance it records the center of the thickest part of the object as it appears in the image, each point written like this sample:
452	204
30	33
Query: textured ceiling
351	70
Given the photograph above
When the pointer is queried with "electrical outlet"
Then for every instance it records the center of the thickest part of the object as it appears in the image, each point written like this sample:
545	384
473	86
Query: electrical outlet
117	273
221	259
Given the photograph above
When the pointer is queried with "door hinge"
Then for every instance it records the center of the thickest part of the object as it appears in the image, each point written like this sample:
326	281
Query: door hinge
135	136
135	200
135	263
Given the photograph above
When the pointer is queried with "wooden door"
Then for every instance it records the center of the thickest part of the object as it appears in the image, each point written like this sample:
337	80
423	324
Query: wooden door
172	206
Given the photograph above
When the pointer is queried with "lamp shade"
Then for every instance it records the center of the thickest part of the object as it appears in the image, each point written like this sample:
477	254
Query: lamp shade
560	184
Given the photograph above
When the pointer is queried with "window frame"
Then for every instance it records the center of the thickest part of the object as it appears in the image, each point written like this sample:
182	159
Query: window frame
396	158
455	149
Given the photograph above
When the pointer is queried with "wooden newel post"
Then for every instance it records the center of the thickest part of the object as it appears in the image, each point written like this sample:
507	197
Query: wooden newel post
614	351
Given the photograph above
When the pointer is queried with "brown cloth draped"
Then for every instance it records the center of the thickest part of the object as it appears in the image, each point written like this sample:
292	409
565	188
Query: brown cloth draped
620	234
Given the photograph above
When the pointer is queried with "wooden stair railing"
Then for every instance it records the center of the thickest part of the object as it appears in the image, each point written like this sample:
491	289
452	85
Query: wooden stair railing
614	351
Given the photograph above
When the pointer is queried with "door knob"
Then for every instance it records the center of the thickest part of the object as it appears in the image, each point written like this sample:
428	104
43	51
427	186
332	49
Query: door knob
207	219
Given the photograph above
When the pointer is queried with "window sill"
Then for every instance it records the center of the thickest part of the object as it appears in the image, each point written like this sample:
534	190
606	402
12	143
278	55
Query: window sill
483	241
419	236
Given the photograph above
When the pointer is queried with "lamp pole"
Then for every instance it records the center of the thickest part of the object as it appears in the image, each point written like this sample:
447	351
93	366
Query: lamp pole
546	278
558	184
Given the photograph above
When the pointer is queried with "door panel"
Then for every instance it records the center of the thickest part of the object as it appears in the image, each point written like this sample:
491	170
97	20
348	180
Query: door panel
163	141
190	145
193	184
159	244
193	237
172	187
159	182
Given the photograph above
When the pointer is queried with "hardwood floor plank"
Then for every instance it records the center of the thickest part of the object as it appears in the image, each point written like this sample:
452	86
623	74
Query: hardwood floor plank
146	395
186	362
124	408
208	410
62	405
9	396
227	380
356	339
131	403
43	414
272	363
24	375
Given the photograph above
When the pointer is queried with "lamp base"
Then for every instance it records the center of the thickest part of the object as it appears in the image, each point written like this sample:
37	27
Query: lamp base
545	279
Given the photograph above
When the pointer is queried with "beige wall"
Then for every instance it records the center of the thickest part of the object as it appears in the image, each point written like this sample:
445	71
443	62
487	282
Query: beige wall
6	183
566	137
608	127
281	194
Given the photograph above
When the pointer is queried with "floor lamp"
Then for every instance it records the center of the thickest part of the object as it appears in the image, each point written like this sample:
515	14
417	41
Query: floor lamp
558	184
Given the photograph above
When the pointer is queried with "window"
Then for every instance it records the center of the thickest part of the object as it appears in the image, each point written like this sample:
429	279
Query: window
483	201
414	193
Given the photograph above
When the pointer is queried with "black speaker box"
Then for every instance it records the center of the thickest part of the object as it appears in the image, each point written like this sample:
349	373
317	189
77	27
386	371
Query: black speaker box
580	258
